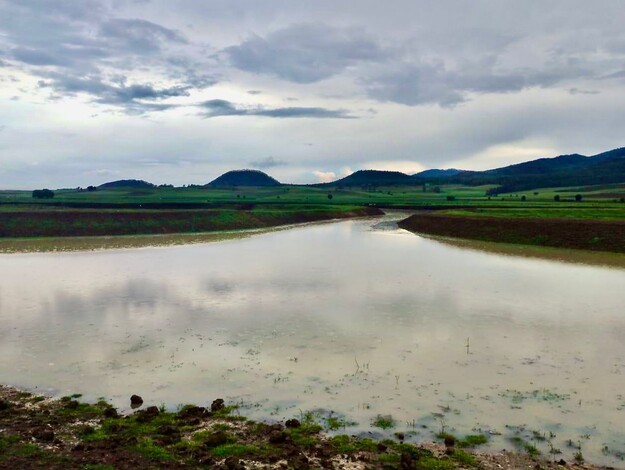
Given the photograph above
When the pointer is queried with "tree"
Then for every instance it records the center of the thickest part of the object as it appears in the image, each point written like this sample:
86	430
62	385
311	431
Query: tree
43	194
523	198
330	196
91	188
556	198
578	197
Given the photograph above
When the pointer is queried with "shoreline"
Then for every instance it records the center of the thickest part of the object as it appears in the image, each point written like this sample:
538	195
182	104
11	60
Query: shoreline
40	432
590	235
105	223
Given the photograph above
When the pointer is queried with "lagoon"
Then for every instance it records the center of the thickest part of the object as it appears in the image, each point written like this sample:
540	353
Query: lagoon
354	319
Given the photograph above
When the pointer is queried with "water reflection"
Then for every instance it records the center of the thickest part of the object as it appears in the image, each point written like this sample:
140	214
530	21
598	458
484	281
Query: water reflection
352	317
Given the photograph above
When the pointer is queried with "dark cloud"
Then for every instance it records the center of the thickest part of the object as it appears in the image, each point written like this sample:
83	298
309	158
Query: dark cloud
83	47
269	162
131	97
216	108
436	83
305	53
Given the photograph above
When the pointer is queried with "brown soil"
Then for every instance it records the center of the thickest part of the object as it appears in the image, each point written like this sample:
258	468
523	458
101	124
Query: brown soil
595	235
42	433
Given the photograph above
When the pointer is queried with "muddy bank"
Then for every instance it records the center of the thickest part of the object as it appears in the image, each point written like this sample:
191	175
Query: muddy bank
73	223
595	235
39	432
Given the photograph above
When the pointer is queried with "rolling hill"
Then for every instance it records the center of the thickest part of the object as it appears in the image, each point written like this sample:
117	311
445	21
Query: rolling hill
372	178
135	184
243	178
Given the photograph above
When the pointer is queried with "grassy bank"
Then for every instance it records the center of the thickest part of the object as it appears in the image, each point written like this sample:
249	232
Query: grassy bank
596	231
68	222
37	432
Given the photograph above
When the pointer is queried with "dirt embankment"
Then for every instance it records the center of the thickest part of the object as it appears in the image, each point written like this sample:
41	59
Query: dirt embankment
106	222
595	235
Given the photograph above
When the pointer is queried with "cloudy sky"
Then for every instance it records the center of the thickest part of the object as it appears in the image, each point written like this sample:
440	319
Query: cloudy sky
179	92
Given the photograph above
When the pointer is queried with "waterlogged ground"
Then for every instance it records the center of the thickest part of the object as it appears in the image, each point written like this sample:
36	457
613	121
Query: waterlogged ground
354	318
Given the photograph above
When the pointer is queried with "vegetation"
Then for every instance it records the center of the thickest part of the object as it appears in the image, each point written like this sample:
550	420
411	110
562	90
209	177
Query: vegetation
69	434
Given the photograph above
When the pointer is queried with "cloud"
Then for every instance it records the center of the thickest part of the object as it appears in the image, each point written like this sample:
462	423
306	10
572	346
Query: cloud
85	47
434	82
131	97
324	176
138	36
305	53
216	108
268	162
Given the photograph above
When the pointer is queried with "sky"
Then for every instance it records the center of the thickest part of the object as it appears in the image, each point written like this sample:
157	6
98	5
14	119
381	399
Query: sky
179	92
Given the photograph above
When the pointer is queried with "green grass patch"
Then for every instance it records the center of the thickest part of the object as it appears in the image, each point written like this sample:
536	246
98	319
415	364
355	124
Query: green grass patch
464	458
150	450
236	450
348	445
383	422
473	440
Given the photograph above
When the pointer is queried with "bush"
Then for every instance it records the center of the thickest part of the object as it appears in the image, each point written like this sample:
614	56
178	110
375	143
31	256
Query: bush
556	198
43	194
451	198
330	196
578	197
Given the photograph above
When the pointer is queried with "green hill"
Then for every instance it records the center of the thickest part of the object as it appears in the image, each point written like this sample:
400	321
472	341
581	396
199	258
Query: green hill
243	178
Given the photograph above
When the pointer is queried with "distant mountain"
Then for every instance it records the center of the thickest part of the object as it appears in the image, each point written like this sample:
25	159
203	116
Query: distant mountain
135	184
564	170
435	173
373	178
243	178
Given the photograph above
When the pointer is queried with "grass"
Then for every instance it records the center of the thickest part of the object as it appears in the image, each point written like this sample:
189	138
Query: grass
383	422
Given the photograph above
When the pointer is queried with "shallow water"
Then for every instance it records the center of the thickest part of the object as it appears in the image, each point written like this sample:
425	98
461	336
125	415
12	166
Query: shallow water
354	317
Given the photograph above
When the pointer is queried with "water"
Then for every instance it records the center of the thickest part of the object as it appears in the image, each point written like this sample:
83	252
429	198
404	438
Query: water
356	318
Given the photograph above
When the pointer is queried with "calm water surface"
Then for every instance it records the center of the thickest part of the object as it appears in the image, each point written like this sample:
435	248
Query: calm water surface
354	318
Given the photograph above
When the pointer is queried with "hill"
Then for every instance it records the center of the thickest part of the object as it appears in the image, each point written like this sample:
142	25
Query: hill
243	178
436	173
136	184
564	170
373	178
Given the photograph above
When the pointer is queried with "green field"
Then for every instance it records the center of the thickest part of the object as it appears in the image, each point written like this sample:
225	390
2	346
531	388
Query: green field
414	196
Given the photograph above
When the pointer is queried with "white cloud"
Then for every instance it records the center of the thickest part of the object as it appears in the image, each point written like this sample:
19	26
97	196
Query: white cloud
324	176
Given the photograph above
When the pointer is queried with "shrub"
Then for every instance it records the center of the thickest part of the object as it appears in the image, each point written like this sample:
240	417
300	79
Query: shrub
43	194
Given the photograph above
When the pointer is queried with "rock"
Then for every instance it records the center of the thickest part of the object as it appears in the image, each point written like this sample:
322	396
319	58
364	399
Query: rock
4	405
111	412
218	405
406	461
148	414
277	437
562	462
136	401
292	423
450	441
43	434
193	412
233	463
216	439
299	462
